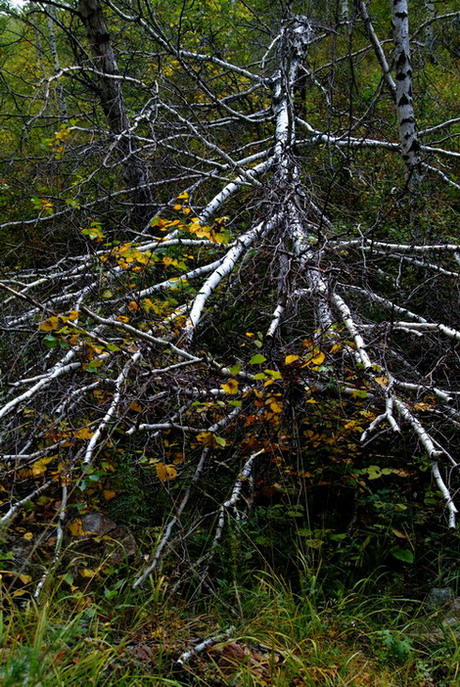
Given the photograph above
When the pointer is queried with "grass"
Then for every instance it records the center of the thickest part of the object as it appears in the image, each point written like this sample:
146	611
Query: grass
113	636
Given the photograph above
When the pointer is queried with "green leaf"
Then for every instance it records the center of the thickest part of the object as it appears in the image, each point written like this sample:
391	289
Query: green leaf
338	536
404	555
295	513
257	359
236	369
373	472
260	375
274	374
50	341
221	441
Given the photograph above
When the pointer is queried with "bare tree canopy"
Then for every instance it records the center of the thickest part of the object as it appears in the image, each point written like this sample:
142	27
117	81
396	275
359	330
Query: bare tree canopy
231	259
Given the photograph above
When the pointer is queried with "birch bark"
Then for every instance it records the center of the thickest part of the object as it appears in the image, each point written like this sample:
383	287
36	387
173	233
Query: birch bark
62	105
410	147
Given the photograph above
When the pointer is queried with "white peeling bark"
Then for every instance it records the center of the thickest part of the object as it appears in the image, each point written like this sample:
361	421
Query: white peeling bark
410	147
379	52
224	269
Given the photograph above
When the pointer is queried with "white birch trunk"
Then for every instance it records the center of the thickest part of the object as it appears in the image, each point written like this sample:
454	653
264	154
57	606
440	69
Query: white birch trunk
429	32
410	147
61	103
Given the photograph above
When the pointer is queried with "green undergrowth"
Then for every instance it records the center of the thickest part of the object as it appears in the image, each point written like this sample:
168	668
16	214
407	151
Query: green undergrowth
264	633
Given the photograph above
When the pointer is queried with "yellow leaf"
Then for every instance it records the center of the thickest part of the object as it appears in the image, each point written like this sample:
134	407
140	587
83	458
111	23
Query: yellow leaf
73	315
422	406
25	579
186	211
28	536
206	438
183	196
83	433
165	472
382	381
230	387
87	572
178	206
49	325
148	305
399	534
276	407
132	305
39	467
108	494
76	528
289	359
122	318
169	261
318	359
136	407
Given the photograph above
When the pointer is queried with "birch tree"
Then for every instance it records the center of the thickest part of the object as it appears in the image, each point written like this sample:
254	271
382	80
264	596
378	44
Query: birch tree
201	345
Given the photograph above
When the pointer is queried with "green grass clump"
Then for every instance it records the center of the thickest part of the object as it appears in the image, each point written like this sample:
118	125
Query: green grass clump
275	636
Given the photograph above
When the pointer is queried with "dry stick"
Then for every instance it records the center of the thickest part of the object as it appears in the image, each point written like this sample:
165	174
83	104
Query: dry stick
421	324
226	266
419	263
59	369
433	454
175	520
423	327
113	406
183	658
140	334
387	415
20	503
232	501
444	394
370	245
380	54
443	176
59	539
345	312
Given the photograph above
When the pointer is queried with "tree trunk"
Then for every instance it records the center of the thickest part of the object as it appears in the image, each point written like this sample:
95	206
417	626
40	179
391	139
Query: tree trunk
112	102
62	105
410	147
430	43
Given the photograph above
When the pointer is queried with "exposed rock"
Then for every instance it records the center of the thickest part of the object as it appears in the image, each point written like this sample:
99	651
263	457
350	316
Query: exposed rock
97	524
439	597
117	540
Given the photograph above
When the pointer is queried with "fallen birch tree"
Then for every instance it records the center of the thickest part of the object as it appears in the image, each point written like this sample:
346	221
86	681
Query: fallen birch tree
197	342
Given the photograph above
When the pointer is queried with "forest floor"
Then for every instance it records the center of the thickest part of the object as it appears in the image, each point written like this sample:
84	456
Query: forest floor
262	633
